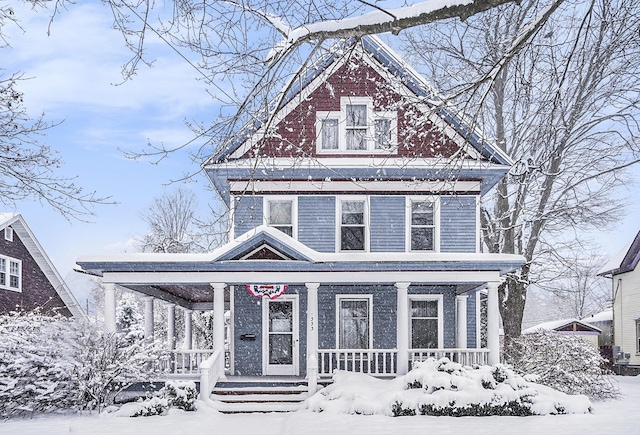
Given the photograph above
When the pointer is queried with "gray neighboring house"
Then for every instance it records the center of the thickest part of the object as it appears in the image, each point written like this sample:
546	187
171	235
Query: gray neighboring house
355	233
28	279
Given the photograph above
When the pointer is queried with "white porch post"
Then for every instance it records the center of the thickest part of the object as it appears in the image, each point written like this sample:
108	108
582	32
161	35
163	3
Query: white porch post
109	308
312	335
493	323
402	328
171	326
461	322
148	317
188	332
218	323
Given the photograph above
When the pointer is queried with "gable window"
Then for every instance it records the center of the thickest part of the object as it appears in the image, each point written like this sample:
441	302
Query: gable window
354	322
280	214
353	229
8	234
356	128
422	232
426	322
10	274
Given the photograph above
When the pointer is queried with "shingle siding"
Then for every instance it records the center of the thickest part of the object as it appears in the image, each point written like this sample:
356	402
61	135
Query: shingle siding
458	222
387	218
317	222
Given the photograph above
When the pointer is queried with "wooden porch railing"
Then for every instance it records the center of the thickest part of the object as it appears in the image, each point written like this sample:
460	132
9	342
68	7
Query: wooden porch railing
209	374
462	356
378	362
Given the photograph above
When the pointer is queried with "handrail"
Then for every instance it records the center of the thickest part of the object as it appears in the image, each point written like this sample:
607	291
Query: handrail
209	375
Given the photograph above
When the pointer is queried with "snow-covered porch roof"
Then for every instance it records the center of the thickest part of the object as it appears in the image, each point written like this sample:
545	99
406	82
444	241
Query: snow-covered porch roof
266	256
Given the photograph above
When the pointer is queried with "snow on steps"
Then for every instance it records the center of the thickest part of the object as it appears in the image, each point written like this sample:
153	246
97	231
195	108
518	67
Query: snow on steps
259	396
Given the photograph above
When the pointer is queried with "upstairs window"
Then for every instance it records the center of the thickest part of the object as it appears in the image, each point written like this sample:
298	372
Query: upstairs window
8	234
356	128
10	274
421	224
353	228
280	214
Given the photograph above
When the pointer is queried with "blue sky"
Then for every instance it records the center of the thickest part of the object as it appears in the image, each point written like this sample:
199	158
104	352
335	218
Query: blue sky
72	74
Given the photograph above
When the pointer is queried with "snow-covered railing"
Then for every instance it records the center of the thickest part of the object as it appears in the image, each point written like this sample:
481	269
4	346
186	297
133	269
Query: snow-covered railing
462	356
186	362
378	362
209	374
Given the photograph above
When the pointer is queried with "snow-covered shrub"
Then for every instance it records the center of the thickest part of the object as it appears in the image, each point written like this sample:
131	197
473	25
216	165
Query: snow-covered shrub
181	394
153	406
443	387
563	362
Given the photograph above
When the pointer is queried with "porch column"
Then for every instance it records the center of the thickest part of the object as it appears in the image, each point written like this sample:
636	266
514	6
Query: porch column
188	334
148	317
461	322
109	308
218	323
312	334
402	328
493	323
171	326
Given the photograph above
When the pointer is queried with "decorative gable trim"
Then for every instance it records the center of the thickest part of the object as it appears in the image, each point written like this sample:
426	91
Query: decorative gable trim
265	252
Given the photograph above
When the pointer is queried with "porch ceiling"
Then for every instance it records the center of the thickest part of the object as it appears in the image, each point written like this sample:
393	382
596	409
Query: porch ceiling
189	296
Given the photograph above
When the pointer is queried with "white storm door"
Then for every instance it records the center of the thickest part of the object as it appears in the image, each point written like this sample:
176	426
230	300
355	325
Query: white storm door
280	336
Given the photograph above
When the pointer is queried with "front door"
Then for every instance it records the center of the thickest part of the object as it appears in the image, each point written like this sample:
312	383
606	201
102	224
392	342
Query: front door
280	336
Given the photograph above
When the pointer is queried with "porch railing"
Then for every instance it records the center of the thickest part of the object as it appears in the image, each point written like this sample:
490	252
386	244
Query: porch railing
462	356
209	374
185	362
378	362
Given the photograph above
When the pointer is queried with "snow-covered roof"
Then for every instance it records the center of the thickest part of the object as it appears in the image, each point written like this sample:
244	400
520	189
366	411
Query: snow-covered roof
624	261
602	316
556	325
395	65
20	227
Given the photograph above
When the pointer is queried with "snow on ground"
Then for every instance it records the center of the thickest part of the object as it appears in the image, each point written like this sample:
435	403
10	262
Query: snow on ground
614	416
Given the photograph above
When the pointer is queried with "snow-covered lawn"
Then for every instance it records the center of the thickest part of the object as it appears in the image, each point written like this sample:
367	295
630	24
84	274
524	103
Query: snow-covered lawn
614	416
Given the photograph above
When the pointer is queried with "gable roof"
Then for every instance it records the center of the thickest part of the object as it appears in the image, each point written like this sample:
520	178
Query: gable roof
624	261
385	57
578	326
20	227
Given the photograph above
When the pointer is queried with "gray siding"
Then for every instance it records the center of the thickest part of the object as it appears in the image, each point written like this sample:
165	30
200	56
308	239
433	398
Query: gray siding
387	218
458	224
247	319
471	320
247	215
317	222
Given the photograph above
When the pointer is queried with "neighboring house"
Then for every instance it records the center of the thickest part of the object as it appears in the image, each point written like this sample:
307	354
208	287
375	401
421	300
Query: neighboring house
573	327
28	279
625	280
355	230
604	322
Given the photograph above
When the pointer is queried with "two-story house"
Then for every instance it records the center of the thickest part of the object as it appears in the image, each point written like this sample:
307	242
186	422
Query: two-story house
355	230
28	279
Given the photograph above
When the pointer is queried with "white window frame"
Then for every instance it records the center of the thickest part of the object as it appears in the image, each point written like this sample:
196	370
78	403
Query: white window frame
354	297
8	234
339	201
436	221
341	117
440	300
294	210
6	270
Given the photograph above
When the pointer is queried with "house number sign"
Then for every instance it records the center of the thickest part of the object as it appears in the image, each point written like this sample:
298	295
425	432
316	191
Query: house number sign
270	290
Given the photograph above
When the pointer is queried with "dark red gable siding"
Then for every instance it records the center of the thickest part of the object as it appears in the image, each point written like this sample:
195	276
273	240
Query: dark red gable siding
296	134
37	291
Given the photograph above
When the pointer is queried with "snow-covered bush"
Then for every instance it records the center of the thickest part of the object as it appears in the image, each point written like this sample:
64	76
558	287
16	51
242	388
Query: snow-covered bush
153	406
181	394
563	362
442	387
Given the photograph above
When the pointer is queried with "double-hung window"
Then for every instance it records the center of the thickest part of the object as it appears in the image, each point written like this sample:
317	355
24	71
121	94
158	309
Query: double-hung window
354	322
353	224
426	322
10	274
356	128
422	224
280	213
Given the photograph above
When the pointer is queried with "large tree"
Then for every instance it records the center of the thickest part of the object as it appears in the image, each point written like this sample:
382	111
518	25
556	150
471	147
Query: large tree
565	107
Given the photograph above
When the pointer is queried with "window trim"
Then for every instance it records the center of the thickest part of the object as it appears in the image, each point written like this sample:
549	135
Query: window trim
354	297
8	274
428	297
8	234
637	336
341	117
366	223
436	221
294	211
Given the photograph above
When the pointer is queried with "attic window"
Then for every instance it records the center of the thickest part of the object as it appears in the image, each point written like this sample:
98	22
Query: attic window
8	234
356	128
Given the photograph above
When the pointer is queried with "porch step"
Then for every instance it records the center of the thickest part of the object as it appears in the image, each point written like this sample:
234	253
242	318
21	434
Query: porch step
259	396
